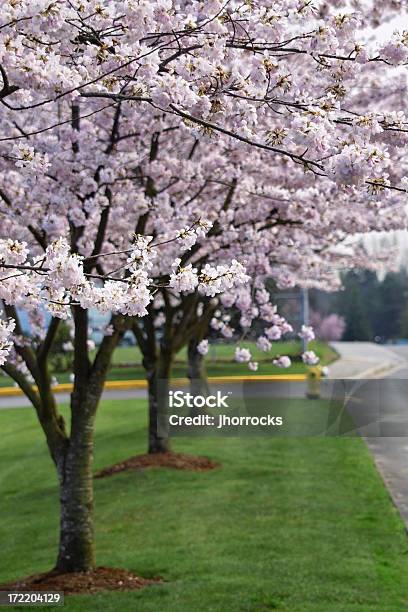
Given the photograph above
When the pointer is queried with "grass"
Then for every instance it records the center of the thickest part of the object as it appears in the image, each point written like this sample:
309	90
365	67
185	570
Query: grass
294	524
126	364
225	352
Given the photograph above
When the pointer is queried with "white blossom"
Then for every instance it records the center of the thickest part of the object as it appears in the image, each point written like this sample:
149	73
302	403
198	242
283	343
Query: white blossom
13	252
141	256
310	358
263	344
282	362
202	347
185	279
242	355
6	330
307	333
274	332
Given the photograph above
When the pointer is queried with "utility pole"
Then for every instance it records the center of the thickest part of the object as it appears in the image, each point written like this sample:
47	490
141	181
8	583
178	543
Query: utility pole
304	314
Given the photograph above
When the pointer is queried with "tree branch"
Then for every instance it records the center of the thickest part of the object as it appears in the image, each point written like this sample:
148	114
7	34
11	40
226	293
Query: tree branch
45	347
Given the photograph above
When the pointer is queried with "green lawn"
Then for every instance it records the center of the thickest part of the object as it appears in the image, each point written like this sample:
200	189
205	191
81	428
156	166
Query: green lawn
126	364
294	524
225	352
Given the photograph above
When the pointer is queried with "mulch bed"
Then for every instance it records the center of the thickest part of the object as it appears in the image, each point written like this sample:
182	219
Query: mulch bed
177	461
75	583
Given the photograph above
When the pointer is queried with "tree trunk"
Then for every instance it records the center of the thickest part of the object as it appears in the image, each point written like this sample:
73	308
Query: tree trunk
196	373
158	377
76	546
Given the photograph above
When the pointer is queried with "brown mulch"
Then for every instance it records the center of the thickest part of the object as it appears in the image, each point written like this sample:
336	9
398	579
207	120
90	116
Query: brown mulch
99	579
177	461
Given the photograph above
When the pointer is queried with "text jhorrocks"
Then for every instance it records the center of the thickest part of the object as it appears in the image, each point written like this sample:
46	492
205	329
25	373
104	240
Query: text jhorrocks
222	420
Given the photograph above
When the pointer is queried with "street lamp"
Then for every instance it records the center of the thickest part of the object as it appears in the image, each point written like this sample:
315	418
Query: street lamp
304	313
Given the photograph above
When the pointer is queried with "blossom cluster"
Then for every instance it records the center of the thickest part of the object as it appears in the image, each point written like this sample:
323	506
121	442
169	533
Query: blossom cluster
190	60
307	333
6	341
156	149
310	358
202	347
58	280
210	281
188	236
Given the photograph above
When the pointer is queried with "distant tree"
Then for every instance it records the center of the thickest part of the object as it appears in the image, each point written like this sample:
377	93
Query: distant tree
403	331
392	298
329	328
353	307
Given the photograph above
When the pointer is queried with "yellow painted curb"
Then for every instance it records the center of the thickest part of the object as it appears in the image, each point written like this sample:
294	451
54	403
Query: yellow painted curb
257	378
123	385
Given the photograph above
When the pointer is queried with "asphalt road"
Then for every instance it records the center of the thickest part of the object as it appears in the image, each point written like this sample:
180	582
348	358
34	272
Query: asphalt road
20	401
402	352
258	389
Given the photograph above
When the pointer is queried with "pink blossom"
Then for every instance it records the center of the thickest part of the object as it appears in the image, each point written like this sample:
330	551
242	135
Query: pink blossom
310	358
306	333
202	347
282	362
242	355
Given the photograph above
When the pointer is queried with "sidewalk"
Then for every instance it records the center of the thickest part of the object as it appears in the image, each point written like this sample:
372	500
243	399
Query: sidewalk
381	407
363	360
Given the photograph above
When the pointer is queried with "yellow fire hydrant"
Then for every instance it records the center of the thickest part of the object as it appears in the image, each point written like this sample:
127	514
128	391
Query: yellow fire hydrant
314	378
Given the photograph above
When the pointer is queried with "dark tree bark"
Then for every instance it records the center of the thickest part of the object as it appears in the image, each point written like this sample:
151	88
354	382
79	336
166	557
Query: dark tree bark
196	372
76	546
181	325
157	362
158	377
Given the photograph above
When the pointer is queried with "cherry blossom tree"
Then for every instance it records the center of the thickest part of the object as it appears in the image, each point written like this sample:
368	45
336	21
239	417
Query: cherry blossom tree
330	327
160	160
